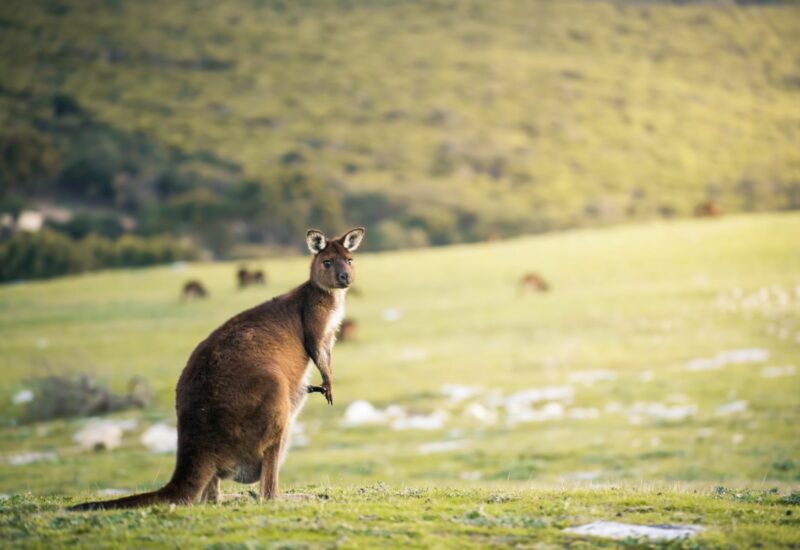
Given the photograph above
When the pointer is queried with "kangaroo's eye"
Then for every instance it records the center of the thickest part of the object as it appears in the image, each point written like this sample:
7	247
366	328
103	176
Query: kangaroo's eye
327	263
349	260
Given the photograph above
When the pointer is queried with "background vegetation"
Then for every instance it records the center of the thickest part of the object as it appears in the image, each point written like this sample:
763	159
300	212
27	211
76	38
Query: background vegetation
433	122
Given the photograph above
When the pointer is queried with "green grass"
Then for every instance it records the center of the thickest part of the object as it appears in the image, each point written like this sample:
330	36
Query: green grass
637	301
378	516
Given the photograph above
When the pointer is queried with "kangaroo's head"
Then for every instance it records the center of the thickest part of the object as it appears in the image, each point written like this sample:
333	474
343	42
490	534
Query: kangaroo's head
332	266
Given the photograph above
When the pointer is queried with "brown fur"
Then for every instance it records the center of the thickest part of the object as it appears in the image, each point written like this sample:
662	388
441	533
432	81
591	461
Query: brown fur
533	282
708	209
244	384
193	289
248	278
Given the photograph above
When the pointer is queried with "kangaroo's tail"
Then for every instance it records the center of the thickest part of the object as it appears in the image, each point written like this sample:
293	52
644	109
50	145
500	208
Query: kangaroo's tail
184	488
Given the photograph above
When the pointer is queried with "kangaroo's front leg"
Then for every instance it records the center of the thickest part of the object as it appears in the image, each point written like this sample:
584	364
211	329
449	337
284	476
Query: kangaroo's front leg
322	359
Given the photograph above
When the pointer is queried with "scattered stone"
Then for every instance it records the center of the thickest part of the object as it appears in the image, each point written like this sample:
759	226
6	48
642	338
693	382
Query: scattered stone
620	531
22	396
525	413
360	413
736	356
391	314
413	354
582	476
732	408
440	447
298	437
778	372
589	377
113	492
99	435
433	421
457	392
29	458
160	438
481	413
580	413
640	412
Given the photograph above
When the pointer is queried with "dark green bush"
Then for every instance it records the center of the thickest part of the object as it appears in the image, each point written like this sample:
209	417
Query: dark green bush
49	253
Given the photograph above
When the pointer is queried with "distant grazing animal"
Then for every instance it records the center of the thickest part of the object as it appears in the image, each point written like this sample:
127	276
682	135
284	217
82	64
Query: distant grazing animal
193	289
708	209
248	278
347	330
533	282
245	384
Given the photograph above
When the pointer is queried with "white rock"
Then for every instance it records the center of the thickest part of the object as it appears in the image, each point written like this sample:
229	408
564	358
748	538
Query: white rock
535	395
298	437
360	413
736	356
394	411
732	408
778	372
29	458
658	411
22	396
587	413
99	435
480	413
589	377
618	531
413	354
550	411
457	392
470	475
433	421
160	438
440	447
112	492
582	476
391	314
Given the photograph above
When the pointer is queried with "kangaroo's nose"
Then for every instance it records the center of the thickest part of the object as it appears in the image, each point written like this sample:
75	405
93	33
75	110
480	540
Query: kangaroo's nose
344	278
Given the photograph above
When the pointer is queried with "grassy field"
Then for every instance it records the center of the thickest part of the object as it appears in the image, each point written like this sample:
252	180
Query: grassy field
660	374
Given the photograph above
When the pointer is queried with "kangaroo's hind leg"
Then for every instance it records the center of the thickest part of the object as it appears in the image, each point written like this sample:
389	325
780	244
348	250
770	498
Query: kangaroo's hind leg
212	491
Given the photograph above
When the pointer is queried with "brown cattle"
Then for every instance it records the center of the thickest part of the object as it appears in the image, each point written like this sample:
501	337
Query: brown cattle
245	384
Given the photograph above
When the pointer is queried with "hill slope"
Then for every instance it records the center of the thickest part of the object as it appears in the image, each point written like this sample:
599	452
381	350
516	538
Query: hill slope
432	121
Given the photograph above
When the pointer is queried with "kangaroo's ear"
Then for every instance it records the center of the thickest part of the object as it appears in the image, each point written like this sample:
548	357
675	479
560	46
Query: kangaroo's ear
352	238
315	239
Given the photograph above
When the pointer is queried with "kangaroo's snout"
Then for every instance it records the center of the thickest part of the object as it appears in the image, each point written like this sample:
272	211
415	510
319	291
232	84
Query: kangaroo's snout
344	278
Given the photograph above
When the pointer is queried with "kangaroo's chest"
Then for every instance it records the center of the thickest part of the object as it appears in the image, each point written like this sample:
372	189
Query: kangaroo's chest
335	316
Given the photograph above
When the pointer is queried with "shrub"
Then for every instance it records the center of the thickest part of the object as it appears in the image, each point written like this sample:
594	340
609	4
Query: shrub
49	253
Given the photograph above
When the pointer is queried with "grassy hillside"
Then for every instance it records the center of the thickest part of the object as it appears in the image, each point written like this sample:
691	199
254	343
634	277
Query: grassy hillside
669	353
434	121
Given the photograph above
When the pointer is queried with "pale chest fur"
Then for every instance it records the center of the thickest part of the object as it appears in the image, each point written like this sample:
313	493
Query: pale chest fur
336	315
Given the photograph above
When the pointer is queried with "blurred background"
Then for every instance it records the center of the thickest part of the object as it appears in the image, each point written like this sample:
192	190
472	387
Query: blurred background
581	261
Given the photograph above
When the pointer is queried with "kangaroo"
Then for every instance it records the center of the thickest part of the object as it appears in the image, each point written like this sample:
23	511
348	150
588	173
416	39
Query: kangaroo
244	385
248	278
193	289
533	282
